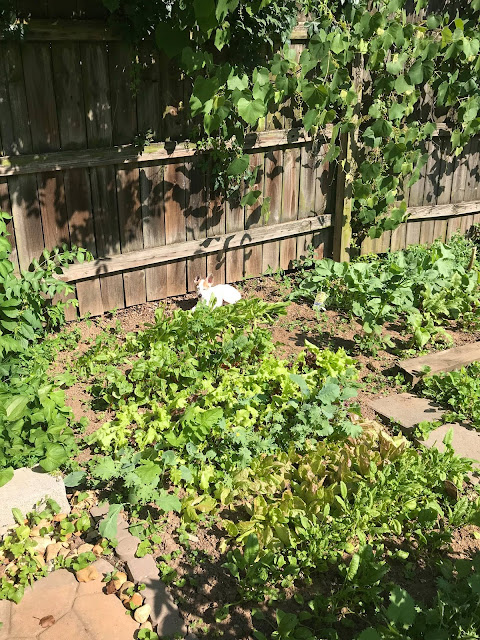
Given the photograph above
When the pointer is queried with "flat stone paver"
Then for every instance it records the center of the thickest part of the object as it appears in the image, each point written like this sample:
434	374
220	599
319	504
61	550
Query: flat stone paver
70	627
26	489
5	613
407	409
465	442
52	595
447	360
104	617
84	611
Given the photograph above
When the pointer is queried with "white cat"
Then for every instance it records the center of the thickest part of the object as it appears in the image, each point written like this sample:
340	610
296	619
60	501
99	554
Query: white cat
221	293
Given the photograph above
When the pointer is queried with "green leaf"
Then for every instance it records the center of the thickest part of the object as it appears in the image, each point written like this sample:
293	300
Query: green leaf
310	118
415	74
353	567
18	516
448	439
238	166
74	479
16	407
369	634
6	475
168	502
108	526
396	111
300	381
251	550
149	472
170	38
402	608
402	86
205	14
55	455
433	22
250	198
251	110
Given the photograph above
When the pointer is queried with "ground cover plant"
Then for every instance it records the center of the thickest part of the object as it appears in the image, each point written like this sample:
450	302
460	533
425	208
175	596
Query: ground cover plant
458	391
419	289
34	421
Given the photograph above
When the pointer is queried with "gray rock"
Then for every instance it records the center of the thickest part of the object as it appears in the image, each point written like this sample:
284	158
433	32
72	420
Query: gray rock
29	488
141	568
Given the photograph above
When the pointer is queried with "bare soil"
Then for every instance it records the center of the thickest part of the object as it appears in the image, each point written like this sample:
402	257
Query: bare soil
200	583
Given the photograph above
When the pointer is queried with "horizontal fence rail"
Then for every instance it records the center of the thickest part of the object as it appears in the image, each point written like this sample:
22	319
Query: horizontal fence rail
194	248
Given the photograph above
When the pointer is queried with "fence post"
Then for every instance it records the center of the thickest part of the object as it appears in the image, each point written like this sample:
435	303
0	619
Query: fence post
347	163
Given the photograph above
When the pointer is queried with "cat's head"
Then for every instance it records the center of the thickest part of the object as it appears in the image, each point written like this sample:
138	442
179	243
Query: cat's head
203	284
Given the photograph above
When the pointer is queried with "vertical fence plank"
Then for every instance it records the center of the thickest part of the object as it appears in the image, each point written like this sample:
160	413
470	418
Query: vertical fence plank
235	221
67	80
175	230
153	218
149	95
124	129
97	108
196	214
26	218
253	255
124	112
107	234
131	231
67	74
7	135
291	160
96	95
51	193
216	226
22	137
306	200
23	193
37	67
80	224
273	190
324	201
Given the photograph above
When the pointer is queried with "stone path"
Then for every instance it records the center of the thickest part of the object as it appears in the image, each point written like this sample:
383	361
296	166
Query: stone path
409	410
81	611
59	607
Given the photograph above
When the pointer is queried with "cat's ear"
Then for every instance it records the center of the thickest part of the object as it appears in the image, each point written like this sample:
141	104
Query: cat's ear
196	280
210	278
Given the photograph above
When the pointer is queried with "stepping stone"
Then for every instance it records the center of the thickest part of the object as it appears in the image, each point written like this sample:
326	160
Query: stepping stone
27	488
447	360
408	411
104	617
53	595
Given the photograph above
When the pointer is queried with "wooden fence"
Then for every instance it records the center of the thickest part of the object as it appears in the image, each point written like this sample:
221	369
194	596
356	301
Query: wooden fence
70	171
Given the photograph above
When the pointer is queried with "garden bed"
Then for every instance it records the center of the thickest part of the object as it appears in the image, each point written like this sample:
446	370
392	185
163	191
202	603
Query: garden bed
202	586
